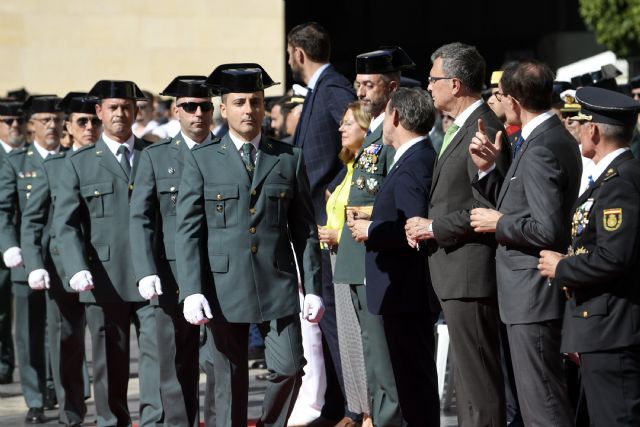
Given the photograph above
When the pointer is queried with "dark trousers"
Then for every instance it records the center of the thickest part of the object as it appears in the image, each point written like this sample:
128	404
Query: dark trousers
284	358
110	326
385	403
540	381
206	365
178	359
66	324
611	381
474	329
7	358
30	325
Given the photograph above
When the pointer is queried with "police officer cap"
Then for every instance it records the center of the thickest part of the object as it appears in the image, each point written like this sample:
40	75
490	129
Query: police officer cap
635	82
607	106
18	94
11	107
188	86
239	78
121	89
41	104
387	59
77	102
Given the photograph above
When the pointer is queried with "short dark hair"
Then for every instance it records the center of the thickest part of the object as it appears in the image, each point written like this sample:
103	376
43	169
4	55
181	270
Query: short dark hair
313	39
530	82
463	62
415	109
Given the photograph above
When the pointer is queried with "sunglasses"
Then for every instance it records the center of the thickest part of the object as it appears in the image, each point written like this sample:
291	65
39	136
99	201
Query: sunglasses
192	107
82	122
9	121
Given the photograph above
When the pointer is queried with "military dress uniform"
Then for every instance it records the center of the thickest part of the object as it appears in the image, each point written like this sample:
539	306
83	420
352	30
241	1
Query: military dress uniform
91	224
599	276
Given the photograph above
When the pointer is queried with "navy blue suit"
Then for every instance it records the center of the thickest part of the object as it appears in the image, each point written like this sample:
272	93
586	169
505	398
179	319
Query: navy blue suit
398	284
317	133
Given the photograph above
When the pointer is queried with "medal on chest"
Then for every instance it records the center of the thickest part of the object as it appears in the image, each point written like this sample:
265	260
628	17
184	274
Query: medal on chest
581	218
368	160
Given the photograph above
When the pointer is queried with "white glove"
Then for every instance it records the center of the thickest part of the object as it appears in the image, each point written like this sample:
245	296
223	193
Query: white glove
12	257
81	281
196	307
312	308
39	279
149	287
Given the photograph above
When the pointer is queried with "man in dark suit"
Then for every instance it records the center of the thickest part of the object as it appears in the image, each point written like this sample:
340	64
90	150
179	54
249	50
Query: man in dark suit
91	226
533	204
600	273
398	286
20	174
462	262
329	92
244	201
152	229
65	314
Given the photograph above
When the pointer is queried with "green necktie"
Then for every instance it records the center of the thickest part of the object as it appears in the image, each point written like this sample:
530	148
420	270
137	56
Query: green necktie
247	148
448	137
123	150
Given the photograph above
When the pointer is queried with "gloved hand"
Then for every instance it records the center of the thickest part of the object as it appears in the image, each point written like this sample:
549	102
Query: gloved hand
39	279
81	281
149	287
312	308
12	257
196	307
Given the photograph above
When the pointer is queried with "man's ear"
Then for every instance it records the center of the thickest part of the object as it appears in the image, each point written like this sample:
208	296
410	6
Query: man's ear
223	110
396	117
300	56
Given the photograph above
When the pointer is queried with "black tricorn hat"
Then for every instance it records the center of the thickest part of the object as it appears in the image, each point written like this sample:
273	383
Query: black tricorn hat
600	105
11	107
189	86
634	82
18	94
239	78
121	89
387	59
41	104
78	102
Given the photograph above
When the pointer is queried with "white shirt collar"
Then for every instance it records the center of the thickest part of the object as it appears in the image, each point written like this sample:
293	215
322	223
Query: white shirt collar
237	141
314	78
8	148
376	122
603	164
405	147
462	117
191	143
43	151
114	145
535	122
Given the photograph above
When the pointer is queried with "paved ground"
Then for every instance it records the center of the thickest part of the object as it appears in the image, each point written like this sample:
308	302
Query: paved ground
13	409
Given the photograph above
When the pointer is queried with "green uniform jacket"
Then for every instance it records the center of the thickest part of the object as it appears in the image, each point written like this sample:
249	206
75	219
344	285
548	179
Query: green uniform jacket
247	229
20	173
91	222
39	248
153	214
370	167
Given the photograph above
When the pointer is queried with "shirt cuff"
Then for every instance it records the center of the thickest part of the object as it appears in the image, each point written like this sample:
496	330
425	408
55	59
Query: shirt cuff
482	174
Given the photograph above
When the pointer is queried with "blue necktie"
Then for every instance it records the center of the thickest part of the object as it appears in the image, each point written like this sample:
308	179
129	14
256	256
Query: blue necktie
517	146
589	181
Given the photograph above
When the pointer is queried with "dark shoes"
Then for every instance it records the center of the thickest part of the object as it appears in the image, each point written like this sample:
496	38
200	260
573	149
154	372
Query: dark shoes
35	416
6	378
50	399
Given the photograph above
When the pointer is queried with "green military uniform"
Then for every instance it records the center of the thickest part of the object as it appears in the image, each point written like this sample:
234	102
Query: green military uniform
20	173
248	228
90	223
152	231
65	313
7	360
371	165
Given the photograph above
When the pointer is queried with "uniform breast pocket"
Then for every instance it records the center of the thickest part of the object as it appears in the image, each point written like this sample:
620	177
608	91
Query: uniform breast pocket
168	195
94	195
278	200
221	205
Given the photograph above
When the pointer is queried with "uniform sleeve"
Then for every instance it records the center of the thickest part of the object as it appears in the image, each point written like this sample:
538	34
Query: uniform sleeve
34	221
9	233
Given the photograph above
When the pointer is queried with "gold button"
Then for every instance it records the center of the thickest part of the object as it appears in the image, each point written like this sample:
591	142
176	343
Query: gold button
130	187
252	211
282	194
253	192
585	314
254	249
28	186
96	193
219	197
177	291
252	230
172	189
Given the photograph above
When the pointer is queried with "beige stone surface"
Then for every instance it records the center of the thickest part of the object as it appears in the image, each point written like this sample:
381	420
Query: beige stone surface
62	45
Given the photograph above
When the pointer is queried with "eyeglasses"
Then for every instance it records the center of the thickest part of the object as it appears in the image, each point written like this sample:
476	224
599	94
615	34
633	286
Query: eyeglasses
47	120
9	120
432	79
192	107
83	121
499	95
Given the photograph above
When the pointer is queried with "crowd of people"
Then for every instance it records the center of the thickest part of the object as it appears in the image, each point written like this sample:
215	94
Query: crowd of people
341	221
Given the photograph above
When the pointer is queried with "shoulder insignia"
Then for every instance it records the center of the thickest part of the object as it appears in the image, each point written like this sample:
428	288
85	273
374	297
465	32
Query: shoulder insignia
611	172
178	141
612	219
581	250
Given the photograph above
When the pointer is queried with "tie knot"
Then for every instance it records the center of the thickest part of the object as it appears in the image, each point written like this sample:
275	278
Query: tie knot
123	149
452	129
247	148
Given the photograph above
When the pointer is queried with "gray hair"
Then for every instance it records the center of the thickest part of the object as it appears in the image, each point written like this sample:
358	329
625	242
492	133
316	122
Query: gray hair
620	134
415	109
463	62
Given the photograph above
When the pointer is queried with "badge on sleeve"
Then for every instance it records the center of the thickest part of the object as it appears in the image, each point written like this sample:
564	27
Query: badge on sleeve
612	219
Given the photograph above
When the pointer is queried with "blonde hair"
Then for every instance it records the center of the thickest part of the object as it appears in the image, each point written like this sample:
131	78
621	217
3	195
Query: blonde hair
362	119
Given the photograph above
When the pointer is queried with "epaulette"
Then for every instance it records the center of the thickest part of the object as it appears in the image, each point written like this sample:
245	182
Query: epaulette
17	151
82	149
160	143
60	155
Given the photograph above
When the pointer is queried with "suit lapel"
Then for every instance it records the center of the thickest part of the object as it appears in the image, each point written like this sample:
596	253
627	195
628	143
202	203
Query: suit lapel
109	161
410	152
138	146
266	160
627	155
231	157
